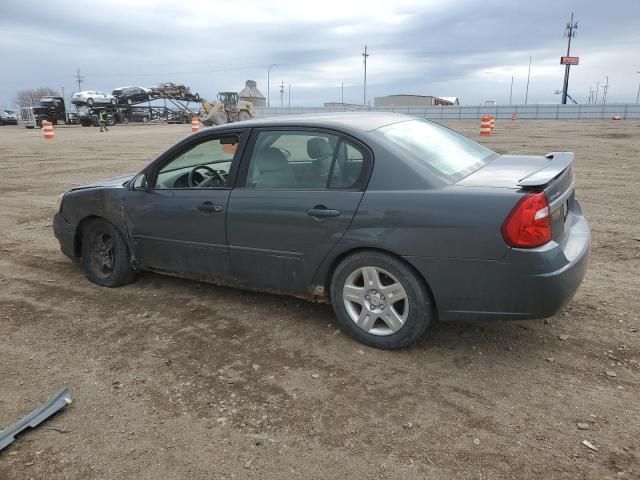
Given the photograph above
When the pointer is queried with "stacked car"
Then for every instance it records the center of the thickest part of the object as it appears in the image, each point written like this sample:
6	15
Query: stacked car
131	95
169	89
93	97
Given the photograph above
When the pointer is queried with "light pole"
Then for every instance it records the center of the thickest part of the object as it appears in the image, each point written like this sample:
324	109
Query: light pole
526	95
638	94
511	91
268	91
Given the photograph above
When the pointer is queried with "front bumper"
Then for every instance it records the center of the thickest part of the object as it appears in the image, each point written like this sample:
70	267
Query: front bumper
525	284
65	233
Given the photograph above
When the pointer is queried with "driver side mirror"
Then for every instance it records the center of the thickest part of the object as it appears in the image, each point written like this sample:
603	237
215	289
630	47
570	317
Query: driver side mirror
140	183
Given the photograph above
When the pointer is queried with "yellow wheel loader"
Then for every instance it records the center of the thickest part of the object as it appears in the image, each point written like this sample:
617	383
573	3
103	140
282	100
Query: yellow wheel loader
230	109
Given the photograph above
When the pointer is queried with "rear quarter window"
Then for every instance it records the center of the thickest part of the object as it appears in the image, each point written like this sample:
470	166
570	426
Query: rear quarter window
448	153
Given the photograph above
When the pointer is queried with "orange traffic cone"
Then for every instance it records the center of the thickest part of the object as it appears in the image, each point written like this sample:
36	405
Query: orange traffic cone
195	124
47	128
485	126
514	117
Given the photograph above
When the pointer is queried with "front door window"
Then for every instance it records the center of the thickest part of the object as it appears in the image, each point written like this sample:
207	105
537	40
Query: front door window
206	165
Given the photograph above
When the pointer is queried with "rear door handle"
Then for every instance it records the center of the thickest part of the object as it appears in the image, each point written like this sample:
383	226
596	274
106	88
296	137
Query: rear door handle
320	211
208	207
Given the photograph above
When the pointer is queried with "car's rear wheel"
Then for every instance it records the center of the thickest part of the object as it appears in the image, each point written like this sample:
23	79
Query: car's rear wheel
380	300
89	101
105	255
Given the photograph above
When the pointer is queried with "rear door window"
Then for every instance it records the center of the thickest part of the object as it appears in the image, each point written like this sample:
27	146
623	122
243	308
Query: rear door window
296	160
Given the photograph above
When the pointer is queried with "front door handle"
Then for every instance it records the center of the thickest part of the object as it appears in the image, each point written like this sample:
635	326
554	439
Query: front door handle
208	207
320	211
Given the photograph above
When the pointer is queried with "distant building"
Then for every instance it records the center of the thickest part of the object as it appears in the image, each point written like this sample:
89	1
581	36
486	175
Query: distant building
250	93
404	100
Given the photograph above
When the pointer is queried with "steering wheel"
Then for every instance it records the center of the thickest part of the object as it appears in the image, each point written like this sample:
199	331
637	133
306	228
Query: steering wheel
215	179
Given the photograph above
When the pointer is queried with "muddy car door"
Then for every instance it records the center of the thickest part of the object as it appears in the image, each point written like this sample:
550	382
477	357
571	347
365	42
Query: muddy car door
175	215
297	194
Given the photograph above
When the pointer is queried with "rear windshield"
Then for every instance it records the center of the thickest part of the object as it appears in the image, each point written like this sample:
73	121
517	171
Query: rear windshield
447	152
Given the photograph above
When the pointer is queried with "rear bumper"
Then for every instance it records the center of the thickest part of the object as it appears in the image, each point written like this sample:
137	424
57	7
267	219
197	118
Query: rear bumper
65	233
525	284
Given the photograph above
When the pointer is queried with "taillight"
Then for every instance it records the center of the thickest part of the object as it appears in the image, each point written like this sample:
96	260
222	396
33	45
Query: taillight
529	223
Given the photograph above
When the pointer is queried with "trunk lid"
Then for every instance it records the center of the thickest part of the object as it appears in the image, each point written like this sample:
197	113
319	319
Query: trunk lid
551	174
517	171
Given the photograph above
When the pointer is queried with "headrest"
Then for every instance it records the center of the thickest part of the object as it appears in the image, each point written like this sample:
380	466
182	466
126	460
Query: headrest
318	147
271	160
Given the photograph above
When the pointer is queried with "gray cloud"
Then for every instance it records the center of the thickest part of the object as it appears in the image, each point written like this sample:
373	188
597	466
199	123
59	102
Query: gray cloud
469	49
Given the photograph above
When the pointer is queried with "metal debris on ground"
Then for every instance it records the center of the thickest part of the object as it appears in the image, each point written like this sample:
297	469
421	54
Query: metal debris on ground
36	417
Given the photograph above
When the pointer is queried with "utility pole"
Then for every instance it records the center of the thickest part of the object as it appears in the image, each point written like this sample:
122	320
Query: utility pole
638	94
604	91
597	88
511	91
268	89
526	95
289	104
282	94
342	93
364	91
79	79
569	32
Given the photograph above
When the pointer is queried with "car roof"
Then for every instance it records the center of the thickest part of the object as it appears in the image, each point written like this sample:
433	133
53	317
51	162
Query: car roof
364	121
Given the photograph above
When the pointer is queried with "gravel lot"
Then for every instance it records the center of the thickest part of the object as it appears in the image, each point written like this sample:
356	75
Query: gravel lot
178	379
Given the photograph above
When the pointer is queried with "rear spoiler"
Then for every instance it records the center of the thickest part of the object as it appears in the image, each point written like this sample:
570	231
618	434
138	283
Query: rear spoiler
558	163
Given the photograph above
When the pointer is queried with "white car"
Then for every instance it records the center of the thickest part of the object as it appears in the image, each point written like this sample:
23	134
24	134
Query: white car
93	97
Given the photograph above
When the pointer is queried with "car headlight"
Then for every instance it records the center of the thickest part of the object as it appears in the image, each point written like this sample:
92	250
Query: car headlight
59	202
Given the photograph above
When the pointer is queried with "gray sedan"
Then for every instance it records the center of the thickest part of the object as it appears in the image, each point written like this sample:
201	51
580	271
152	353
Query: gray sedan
396	221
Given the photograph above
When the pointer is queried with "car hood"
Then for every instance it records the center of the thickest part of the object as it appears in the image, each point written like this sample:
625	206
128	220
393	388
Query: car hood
506	171
112	182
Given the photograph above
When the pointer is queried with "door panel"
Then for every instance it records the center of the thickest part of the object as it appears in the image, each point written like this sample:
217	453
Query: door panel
275	243
177	224
181	231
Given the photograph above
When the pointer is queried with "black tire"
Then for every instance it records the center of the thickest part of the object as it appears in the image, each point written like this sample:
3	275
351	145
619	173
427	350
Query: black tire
109	267
129	101
89	101
113	101
418	300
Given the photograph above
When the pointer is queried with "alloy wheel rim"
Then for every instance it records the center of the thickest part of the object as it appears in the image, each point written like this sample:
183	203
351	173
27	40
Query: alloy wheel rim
375	301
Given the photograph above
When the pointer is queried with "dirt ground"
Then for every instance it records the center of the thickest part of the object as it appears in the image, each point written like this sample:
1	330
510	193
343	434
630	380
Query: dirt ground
181	380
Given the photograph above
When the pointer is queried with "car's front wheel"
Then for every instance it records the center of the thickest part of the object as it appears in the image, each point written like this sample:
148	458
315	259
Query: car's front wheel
380	300
105	255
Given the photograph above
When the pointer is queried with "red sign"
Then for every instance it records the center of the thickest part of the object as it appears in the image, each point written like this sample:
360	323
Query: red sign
569	60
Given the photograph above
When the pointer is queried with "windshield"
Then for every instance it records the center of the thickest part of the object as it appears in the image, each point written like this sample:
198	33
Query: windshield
442	149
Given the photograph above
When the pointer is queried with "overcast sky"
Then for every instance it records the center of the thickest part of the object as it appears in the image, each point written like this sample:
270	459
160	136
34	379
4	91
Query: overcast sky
469	49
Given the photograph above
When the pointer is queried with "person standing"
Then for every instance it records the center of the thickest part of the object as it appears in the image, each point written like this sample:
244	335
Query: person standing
102	120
